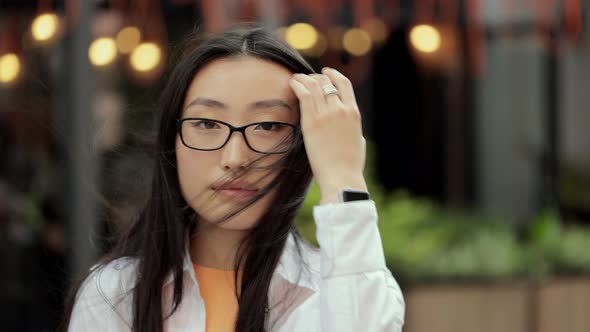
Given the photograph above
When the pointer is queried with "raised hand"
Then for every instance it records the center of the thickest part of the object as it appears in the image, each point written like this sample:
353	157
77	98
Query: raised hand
332	131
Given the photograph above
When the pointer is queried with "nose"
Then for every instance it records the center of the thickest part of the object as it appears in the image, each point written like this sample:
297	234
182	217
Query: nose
235	152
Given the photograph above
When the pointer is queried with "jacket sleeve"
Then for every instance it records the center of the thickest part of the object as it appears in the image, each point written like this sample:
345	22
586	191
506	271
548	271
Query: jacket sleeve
100	305
357	291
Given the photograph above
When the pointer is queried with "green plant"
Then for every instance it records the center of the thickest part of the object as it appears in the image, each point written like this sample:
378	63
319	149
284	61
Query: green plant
573	255
425	243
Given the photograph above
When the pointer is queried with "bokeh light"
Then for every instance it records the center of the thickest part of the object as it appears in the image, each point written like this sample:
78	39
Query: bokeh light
9	67
128	39
301	36
425	38
356	41
376	29
145	57
44	27
102	51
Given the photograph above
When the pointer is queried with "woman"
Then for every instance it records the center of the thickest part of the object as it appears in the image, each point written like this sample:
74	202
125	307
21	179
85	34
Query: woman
244	125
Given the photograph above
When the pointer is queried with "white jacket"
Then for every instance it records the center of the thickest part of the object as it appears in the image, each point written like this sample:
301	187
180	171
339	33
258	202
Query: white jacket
345	287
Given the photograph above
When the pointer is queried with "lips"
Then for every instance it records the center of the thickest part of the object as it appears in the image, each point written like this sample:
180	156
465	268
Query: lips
235	190
235	186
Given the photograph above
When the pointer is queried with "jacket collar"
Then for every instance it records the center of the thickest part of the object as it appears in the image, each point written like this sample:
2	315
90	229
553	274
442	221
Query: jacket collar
301	270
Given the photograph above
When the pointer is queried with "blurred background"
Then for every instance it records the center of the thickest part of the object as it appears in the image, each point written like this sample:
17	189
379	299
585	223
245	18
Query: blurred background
475	112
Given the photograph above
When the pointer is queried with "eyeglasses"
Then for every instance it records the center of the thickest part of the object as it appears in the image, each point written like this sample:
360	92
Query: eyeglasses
263	137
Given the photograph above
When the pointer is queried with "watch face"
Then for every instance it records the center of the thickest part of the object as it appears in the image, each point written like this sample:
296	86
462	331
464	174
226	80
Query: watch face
353	195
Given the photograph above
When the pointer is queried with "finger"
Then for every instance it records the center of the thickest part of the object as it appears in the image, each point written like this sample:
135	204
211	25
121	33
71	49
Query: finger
314	88
306	102
343	85
333	100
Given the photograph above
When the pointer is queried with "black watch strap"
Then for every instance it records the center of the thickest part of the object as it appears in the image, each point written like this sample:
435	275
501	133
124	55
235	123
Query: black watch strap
349	195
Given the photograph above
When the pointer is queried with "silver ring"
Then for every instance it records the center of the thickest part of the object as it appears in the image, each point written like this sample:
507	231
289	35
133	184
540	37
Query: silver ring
329	89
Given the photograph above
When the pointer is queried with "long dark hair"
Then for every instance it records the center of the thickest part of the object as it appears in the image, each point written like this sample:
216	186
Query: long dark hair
158	238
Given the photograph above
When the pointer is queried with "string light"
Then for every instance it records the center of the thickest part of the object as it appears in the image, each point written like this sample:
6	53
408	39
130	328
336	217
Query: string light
102	51
145	57
356	41
128	39
376	29
301	36
44	27
425	38
10	67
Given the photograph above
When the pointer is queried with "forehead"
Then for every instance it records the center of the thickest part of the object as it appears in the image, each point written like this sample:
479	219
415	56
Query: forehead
236	81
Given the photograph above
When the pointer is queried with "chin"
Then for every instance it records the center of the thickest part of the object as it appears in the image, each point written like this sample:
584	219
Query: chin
239	222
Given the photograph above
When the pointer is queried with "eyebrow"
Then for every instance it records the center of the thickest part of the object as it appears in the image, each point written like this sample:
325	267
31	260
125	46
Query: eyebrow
261	104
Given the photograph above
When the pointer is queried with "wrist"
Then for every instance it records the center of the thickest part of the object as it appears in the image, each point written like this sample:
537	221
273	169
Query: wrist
330	192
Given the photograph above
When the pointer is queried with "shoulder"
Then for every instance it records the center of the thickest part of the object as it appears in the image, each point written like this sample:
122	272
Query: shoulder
113	278
105	295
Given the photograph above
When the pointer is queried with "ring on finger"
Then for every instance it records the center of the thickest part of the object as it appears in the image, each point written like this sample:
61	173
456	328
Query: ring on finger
329	89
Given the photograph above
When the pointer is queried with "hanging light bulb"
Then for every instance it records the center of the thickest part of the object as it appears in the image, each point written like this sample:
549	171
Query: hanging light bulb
145	57
102	51
44	27
301	36
128	39
356	41
425	38
376	29
10	67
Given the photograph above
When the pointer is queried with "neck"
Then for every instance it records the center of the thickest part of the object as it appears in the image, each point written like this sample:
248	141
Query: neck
215	247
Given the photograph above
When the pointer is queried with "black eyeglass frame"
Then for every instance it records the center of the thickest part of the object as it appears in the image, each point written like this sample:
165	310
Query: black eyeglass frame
241	130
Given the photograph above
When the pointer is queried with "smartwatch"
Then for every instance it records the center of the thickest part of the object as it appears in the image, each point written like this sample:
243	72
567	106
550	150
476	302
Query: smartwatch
348	195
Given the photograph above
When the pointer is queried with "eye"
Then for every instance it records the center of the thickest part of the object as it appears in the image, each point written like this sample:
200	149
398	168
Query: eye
268	126
204	124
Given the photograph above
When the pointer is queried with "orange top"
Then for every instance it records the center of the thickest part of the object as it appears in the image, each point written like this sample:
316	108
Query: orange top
217	290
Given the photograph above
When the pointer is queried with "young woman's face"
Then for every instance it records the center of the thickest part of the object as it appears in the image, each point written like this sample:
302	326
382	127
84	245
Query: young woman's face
239	91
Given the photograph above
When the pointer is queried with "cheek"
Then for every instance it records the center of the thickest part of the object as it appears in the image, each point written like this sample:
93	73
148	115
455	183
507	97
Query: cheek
193	169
